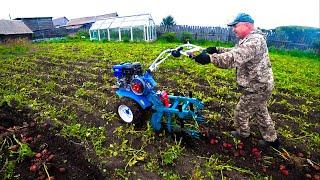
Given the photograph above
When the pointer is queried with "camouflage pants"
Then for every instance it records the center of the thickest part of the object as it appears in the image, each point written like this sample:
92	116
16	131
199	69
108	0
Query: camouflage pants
255	105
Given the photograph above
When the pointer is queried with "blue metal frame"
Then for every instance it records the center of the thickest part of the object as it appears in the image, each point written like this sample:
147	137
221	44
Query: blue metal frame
141	100
185	108
184	112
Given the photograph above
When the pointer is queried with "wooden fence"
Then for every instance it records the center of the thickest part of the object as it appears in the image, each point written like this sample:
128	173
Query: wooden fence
201	32
281	41
227	35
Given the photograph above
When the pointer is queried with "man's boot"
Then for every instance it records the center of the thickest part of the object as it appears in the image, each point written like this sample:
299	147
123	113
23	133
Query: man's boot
275	144
237	134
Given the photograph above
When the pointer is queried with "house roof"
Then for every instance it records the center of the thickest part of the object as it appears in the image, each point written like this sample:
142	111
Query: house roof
74	27
60	21
21	18
13	27
91	19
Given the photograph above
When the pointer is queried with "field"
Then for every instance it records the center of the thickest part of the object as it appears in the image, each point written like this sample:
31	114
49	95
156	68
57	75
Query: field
57	117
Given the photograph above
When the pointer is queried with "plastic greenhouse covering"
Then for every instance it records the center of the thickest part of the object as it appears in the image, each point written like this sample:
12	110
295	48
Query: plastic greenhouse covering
127	28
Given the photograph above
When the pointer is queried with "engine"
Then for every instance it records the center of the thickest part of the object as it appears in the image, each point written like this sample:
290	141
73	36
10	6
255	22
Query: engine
127	75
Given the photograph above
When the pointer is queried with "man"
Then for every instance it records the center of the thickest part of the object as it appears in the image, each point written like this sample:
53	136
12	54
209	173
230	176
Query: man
254	78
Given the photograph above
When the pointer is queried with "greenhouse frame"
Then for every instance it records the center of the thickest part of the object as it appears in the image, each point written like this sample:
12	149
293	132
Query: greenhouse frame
126	28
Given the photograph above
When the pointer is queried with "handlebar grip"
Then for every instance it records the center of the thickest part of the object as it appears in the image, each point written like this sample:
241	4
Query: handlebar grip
180	48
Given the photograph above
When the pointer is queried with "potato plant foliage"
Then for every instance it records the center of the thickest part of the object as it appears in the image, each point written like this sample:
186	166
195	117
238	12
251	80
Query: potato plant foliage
69	84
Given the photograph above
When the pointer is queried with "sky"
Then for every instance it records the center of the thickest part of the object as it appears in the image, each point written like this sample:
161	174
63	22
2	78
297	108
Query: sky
267	14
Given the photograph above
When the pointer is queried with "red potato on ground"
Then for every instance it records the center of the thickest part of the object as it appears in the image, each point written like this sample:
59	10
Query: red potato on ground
240	145
42	177
236	154
264	169
227	145
29	139
38	155
13	148
33	168
282	167
62	169
50	158
285	172
213	141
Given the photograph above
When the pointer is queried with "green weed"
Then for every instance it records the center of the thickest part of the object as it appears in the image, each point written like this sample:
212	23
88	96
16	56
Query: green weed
172	153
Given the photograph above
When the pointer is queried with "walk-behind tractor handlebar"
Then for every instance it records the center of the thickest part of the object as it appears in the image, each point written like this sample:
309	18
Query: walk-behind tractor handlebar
185	49
139	97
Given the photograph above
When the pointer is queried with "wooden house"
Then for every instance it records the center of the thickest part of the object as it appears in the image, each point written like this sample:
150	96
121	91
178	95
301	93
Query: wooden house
37	23
60	22
13	29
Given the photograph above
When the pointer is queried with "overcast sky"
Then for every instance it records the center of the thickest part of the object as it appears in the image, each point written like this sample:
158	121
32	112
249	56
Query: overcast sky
266	13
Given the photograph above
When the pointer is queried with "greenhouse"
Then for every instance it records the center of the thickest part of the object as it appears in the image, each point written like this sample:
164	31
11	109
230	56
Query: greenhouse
127	28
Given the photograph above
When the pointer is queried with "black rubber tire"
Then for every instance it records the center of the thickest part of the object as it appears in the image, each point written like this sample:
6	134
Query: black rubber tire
139	114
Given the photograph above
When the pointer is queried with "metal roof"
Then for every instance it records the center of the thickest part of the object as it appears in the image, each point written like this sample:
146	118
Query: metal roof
74	27
123	22
21	18
13	27
61	21
91	19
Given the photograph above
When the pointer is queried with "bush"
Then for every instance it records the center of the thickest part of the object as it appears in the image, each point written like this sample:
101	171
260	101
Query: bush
316	46
17	46
169	37
312	54
186	37
17	41
82	34
126	40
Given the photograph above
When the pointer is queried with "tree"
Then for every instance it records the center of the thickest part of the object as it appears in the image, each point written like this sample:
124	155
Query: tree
168	21
316	45
299	34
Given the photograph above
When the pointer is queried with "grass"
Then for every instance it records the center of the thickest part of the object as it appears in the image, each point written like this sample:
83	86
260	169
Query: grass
69	82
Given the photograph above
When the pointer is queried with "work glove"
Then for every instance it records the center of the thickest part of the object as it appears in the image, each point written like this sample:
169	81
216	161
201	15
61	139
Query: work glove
202	58
211	50
175	53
